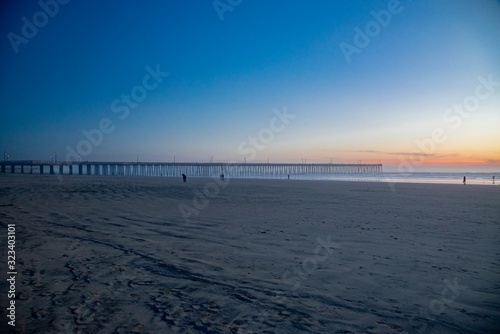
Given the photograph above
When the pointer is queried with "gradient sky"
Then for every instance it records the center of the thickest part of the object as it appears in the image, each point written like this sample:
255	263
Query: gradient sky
228	77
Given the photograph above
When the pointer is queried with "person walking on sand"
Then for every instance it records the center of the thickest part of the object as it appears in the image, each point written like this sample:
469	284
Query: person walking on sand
465	179
184	177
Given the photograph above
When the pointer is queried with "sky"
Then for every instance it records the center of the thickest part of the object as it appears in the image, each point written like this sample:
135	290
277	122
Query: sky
410	84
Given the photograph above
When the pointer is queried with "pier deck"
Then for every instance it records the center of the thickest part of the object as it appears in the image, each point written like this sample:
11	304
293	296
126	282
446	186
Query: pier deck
239	170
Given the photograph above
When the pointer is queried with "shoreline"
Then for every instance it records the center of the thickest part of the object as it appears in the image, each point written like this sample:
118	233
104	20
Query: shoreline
60	178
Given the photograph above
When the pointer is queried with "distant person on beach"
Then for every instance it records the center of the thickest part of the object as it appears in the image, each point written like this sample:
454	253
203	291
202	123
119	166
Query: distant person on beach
465	180
184	177
222	177
493	179
289	176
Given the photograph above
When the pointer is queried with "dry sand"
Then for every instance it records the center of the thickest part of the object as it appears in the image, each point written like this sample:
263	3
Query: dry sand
115	255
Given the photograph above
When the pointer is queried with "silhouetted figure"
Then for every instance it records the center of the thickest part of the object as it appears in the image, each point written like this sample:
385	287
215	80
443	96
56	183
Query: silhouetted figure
184	177
289	176
493	179
222	177
465	180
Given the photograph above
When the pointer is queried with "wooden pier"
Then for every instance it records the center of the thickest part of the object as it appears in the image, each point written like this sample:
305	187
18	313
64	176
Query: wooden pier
174	169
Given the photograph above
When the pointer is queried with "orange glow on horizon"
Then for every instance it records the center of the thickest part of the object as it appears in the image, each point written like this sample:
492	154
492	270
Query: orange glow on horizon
415	160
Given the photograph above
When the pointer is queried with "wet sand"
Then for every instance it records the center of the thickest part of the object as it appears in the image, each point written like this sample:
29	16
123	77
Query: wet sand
155	255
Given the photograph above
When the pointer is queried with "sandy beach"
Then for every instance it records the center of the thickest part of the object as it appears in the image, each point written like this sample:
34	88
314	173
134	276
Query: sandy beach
156	255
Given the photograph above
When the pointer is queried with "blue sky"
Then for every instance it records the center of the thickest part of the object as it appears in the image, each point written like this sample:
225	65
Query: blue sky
227	76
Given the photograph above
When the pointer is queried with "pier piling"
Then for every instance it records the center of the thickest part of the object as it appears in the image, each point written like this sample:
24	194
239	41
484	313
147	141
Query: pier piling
175	169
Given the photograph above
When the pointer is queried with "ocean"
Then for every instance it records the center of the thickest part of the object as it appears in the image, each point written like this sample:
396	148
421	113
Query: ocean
418	177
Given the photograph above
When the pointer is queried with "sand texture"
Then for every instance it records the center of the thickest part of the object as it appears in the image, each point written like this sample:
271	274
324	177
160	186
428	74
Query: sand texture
117	255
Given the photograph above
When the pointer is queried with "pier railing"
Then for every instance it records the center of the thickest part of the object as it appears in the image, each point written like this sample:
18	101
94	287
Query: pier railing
238	170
